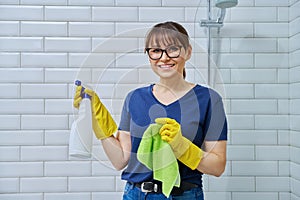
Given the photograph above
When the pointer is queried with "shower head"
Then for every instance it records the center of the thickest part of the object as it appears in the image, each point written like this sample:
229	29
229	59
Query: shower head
226	3
223	4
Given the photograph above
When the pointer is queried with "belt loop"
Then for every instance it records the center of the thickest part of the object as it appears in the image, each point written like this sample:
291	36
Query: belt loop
131	185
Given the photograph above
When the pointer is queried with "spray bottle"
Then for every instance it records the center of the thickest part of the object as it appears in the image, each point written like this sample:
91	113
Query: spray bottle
81	136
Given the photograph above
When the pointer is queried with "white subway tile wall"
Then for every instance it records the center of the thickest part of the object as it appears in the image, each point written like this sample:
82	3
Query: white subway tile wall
294	50
47	44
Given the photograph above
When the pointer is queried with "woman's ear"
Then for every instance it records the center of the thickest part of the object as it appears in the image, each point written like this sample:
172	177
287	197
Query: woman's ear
189	52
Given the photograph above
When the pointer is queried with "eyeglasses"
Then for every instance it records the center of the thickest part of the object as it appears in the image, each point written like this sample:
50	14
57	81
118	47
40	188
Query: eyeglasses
171	51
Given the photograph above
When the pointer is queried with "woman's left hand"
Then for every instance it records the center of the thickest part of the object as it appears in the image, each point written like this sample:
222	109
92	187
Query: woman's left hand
184	149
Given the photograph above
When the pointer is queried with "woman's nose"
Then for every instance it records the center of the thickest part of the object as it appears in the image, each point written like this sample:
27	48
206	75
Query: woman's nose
164	56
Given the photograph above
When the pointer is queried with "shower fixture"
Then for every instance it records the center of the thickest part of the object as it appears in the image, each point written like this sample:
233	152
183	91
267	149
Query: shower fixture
222	5
210	22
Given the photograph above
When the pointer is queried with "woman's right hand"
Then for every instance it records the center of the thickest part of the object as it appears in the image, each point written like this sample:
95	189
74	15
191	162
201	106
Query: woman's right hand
103	124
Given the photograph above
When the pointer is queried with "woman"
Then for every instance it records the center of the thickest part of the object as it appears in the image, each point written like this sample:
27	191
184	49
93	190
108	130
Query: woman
192	119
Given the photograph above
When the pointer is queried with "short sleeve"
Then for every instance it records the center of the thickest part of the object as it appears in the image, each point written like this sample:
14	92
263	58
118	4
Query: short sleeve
216	122
125	115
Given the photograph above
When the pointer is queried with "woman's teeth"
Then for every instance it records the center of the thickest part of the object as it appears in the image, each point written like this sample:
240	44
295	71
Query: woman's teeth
166	66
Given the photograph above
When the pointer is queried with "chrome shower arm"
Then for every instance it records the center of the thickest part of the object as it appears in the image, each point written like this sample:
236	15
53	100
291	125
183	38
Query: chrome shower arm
222	13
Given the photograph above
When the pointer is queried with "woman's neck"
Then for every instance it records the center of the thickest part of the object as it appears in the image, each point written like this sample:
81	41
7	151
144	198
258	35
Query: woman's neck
168	92
177	85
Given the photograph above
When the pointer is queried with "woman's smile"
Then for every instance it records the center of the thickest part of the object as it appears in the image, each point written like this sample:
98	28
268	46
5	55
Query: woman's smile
166	66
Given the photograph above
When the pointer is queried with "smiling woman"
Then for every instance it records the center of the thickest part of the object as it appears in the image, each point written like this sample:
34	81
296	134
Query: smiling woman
169	34
190	117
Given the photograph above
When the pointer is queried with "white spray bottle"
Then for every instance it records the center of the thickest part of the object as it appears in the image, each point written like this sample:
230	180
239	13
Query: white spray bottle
81	136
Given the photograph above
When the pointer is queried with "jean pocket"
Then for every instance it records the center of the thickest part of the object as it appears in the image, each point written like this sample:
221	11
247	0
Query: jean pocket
199	194
127	188
193	194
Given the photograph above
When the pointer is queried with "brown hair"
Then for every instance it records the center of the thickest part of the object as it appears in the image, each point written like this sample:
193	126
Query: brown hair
167	33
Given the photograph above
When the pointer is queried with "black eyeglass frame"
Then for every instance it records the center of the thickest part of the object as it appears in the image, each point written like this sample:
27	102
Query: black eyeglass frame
162	52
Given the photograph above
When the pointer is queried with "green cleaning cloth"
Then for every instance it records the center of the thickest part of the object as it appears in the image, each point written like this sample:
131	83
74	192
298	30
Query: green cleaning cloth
158	156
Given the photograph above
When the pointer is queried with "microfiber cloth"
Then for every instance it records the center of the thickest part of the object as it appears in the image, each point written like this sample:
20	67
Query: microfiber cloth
158	156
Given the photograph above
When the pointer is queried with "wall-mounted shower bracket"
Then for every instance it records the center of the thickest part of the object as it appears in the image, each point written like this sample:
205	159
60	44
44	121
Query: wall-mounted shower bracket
218	23
211	23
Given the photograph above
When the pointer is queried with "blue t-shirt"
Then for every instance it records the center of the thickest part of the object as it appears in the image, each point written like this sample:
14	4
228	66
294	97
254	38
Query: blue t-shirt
200	113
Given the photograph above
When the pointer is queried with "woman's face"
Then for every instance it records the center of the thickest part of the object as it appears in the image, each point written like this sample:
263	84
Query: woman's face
165	66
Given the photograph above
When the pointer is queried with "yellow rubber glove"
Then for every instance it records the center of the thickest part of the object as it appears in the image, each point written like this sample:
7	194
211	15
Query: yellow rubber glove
103	124
184	150
77	96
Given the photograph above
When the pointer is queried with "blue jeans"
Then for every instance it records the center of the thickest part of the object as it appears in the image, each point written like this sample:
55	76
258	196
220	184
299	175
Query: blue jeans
134	193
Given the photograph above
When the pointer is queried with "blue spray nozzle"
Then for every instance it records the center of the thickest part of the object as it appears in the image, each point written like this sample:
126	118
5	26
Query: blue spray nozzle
83	94
78	82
